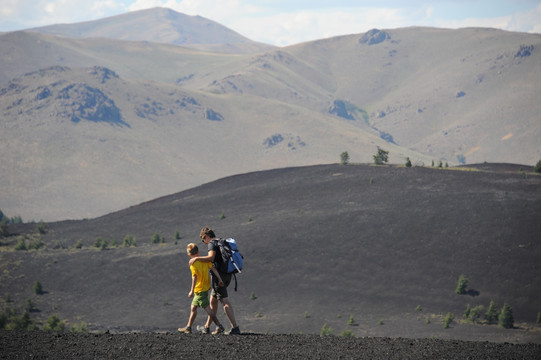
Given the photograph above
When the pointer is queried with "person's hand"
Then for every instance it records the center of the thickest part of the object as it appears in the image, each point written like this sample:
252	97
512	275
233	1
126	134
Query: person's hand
191	261
221	283
190	294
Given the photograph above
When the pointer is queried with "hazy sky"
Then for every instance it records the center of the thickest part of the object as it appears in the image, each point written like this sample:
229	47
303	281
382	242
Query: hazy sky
285	22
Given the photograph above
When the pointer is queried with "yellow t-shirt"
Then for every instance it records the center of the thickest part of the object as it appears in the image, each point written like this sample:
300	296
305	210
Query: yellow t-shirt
201	269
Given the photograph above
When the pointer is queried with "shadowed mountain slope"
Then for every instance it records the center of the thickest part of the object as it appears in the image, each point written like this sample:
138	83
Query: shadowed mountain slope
321	244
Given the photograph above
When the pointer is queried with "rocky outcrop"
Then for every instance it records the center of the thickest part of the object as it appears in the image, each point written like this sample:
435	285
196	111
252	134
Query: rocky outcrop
524	51
84	102
374	36
213	115
339	108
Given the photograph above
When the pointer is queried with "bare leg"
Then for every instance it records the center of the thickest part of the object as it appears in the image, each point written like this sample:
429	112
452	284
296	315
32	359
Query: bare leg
214	308
212	316
193	315
228	309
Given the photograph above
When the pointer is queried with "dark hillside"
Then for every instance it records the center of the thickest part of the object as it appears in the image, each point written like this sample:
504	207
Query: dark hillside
321	243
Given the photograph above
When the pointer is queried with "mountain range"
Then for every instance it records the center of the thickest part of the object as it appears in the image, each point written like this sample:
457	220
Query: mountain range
99	116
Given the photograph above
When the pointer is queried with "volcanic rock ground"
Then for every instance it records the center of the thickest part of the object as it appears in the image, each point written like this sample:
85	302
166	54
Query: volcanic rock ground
50	345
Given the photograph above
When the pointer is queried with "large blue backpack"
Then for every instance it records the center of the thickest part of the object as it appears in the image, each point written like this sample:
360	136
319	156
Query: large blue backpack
230	260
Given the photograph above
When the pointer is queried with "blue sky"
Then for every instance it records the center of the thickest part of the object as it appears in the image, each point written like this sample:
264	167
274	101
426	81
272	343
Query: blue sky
283	22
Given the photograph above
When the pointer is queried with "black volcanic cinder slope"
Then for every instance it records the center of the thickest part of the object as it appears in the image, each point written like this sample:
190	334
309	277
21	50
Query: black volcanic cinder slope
373	242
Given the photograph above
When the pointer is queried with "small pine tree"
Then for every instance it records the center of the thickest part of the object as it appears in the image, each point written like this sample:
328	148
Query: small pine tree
54	324
155	238
462	285
347	333
177	235
351	320
505	319
467	312
491	316
408	162
537	167
476	313
448	320
38	289
326	330
381	157
344	158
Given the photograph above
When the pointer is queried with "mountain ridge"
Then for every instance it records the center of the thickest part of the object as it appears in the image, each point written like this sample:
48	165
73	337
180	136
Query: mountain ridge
470	101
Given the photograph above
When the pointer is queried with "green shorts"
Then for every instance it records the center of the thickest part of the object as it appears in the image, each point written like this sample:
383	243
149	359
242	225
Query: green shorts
201	299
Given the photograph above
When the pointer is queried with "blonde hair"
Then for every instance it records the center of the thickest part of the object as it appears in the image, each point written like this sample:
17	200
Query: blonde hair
192	249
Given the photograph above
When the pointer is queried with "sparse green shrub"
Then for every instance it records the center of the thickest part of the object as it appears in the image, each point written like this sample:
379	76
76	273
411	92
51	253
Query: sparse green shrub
440	164
156	238
35	244
101	244
29	306
54	324
537	167
42	227
80	328
380	322
326	330
427	321
252	296
505	319
21	245
538	321
491	316
3	227
222	215
448	320
381	157
418	308
38	288
347	333
351	320
462	285
11	321
344	158
467	311
306	315
475	313
177	235
129	241
408	162
79	244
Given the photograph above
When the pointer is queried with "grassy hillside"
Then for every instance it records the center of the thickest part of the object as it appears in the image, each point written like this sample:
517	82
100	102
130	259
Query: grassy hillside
384	245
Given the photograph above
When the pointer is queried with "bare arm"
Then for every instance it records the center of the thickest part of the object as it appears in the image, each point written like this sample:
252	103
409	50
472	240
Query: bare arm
208	258
194	281
217	274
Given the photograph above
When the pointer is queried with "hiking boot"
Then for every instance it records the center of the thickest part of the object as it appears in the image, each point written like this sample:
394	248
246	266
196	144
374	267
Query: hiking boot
219	330
234	331
186	330
205	330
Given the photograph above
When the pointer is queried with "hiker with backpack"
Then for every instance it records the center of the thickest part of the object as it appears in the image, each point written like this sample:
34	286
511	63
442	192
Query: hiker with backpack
215	248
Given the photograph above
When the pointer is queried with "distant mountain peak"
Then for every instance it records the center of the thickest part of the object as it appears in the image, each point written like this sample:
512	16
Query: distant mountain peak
161	25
